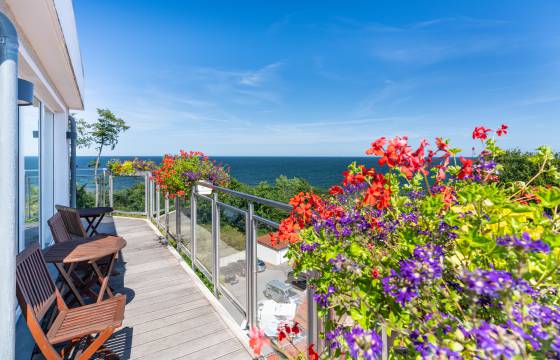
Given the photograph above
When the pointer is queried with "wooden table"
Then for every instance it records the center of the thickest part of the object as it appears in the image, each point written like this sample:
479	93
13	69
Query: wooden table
94	216
67	255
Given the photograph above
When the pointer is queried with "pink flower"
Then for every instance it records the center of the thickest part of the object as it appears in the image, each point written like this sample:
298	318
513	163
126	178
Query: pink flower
257	339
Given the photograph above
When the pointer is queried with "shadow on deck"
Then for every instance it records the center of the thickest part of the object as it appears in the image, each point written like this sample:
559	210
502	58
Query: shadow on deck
167	316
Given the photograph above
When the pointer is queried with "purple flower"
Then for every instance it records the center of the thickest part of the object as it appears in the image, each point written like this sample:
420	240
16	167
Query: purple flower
305	247
364	344
323	298
332	338
337	262
523	243
425	266
488	282
496	341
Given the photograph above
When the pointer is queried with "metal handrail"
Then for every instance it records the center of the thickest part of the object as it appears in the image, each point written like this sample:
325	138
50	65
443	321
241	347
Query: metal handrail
248	197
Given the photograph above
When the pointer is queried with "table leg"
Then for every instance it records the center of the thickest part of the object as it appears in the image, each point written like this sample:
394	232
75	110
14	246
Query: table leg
66	276
95	224
89	220
104	279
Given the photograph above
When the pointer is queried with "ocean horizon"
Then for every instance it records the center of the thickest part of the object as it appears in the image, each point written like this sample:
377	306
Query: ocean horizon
319	171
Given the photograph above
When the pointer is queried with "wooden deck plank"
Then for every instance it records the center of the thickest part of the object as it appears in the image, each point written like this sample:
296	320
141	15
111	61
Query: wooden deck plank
167	316
224	348
174	347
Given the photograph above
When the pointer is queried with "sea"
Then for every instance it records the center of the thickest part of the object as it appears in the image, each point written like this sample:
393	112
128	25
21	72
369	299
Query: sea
320	172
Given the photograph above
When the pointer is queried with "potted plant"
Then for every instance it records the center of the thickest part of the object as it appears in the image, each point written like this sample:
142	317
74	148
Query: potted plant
134	167
179	173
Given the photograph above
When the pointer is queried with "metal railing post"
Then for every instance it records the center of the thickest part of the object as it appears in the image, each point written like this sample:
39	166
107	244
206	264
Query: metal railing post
152	203
158	207
166	223
215	239
252	273
248	248
146	195
193	228
111	190
313	321
178	218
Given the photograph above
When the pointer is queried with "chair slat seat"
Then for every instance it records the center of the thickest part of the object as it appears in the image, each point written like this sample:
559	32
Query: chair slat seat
88	319
37	293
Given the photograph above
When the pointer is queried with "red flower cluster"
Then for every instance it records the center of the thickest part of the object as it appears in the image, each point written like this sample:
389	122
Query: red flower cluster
287	331
399	154
467	168
378	194
306	206
257	339
502	130
480	132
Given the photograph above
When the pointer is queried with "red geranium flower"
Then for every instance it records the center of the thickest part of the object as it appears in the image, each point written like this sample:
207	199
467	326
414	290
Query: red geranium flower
480	132
257	339
336	190
502	130
467	168
312	353
376	147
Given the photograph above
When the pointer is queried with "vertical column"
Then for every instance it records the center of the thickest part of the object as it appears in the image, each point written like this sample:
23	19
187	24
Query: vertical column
215	239
9	153
193	228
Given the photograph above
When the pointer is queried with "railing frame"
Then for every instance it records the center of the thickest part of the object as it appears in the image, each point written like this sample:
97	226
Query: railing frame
251	224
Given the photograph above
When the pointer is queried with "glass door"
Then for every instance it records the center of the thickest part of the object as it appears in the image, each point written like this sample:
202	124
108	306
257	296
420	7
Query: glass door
30	121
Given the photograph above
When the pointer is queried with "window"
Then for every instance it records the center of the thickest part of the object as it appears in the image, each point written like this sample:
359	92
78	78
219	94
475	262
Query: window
30	120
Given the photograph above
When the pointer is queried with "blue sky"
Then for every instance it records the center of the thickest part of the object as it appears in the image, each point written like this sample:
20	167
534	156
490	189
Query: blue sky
318	77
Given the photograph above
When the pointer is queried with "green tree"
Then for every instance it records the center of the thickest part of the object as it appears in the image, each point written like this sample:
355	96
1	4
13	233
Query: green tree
103	133
517	165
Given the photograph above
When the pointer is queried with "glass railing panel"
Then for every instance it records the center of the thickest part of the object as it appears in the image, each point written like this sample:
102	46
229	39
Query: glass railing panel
185	210
204	234
281	298
233	259
129	194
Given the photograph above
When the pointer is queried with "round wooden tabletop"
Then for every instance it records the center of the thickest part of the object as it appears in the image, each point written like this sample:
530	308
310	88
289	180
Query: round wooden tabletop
78	251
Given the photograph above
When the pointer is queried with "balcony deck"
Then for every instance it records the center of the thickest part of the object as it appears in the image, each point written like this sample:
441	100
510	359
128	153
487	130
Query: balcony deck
167	316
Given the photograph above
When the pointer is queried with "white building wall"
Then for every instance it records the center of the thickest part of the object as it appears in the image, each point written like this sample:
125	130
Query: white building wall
271	256
61	160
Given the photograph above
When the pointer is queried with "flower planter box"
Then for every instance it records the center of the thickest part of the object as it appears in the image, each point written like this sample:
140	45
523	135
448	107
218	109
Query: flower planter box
203	190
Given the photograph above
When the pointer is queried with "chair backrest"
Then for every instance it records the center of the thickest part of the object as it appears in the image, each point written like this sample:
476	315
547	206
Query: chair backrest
35	288
72	221
58	229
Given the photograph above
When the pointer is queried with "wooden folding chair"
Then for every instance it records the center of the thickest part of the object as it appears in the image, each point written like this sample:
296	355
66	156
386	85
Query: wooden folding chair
58	229
37	293
72	222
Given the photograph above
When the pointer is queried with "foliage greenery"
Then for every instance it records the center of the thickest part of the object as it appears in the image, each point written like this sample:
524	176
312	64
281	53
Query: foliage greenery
446	259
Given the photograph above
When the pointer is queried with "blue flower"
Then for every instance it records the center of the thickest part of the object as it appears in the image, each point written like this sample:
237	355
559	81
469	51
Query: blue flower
364	344
523	243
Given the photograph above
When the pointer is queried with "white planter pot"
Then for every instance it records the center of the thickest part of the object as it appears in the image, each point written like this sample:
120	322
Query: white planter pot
203	190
